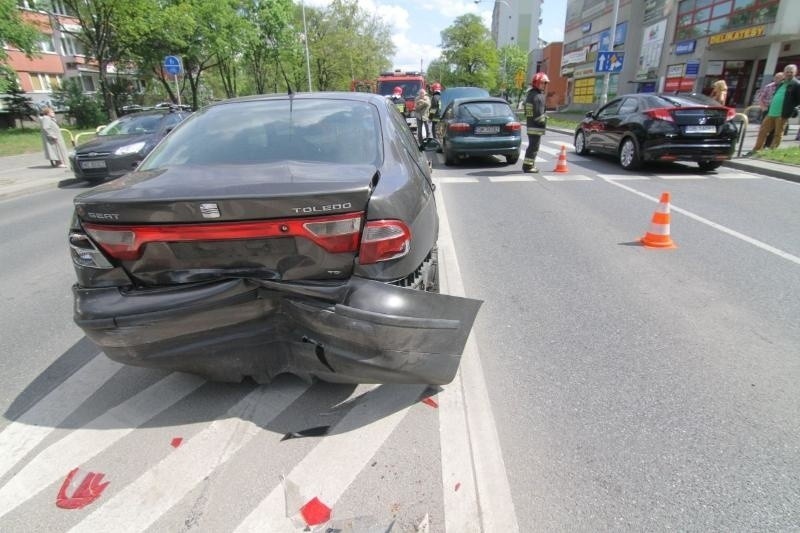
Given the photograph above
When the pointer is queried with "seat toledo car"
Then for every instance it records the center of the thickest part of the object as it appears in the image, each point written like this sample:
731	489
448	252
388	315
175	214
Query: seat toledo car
121	146
480	127
637	128
273	234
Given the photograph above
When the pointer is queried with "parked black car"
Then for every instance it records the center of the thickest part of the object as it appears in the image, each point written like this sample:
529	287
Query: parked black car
479	127
121	146
273	234
660	127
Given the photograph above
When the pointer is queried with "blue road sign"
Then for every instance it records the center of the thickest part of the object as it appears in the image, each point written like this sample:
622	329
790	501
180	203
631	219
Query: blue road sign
609	62
172	64
692	68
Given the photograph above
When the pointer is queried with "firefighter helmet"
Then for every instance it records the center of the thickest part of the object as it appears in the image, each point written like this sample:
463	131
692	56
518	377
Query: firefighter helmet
397	91
539	80
436	88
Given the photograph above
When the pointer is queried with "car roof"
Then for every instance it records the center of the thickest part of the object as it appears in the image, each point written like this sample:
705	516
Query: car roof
467	100
149	112
322	95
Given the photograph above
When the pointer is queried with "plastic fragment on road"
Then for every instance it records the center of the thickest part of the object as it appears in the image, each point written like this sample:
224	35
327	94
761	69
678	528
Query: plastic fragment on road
88	491
315	512
177	441
317	431
431	402
458	486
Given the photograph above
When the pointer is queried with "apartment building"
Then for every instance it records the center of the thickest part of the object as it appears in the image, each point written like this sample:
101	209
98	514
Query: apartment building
679	45
516	22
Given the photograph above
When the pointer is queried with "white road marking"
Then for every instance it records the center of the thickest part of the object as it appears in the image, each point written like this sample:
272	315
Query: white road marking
720	227
82	444
143	502
329	469
738	176
30	429
623	177
566	177
471	453
503	179
446	179
676	177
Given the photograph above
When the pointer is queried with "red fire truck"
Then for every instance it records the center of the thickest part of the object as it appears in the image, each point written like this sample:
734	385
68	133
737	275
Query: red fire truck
411	83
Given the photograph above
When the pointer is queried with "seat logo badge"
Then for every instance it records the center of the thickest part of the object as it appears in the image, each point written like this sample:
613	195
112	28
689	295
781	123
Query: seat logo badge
92	154
209	210
702	120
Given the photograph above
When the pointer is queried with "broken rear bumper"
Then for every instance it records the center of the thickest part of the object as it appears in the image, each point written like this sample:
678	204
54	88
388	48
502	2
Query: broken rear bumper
359	331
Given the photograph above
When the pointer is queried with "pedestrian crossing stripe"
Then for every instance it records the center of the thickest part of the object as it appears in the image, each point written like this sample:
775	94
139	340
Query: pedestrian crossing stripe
673	177
549	151
623	177
567	177
456	180
501	179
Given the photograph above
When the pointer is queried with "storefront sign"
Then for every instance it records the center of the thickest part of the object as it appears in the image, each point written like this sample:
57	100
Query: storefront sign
738	35
678	84
714	68
578	56
692	68
586	28
650	54
675	71
567	71
584	70
685	47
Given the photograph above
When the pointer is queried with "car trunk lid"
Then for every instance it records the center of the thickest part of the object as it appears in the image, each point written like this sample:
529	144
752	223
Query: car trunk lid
282	221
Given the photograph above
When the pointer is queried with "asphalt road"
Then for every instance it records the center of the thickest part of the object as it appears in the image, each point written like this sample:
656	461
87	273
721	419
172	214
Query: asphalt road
628	388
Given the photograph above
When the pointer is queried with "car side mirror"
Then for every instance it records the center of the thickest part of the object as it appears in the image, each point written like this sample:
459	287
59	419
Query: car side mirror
429	144
98	128
589	114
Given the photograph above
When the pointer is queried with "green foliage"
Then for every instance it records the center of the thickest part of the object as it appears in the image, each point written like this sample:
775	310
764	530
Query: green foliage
16	32
19	106
470	53
85	110
513	59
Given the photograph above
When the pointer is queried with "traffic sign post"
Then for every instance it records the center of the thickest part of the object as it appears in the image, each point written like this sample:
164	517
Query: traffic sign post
519	79
173	65
610	62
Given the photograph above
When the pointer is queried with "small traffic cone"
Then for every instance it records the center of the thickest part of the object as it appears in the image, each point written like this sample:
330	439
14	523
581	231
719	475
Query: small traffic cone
561	165
658	236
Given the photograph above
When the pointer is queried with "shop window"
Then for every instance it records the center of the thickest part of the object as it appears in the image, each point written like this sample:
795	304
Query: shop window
718	25
686	7
702	15
694	16
743	4
703	3
722	9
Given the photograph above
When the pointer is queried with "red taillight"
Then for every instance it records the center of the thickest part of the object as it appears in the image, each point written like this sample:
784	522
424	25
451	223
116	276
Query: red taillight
731	113
660	114
383	240
513	126
459	127
335	233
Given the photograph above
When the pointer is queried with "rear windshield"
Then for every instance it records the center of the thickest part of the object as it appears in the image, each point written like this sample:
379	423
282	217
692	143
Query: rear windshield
686	100
131	125
483	110
268	131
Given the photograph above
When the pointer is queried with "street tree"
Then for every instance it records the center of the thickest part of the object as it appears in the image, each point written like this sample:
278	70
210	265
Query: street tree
470	53
513	59
16	33
272	43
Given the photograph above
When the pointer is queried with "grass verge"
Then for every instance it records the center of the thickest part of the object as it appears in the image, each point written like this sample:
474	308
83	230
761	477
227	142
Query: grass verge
18	141
780	155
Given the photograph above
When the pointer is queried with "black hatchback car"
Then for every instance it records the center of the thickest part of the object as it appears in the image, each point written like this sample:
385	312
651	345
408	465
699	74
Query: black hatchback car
273	234
660	127
121	146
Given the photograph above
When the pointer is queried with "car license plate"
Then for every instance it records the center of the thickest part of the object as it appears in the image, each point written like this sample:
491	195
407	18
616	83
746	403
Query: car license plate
483	130
93	164
701	129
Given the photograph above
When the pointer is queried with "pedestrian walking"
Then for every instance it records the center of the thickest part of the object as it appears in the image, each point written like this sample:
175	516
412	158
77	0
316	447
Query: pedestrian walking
422	109
764	96
436	102
55	150
719	91
782	107
536	119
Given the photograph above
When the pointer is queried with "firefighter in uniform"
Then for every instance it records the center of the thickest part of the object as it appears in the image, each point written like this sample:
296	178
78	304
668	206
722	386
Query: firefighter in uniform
536	119
436	100
398	100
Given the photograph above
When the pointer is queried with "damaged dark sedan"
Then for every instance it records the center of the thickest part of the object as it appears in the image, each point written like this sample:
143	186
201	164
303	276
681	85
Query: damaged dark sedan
273	234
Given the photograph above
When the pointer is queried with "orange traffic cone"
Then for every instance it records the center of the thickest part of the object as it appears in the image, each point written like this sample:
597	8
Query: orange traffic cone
658	236
561	165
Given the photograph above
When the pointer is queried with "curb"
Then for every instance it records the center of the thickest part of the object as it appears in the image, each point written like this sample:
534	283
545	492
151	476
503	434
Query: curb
783	172
27	190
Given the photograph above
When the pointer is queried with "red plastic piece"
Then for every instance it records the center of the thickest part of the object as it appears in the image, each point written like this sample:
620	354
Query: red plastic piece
89	490
315	512
430	401
177	441
458	486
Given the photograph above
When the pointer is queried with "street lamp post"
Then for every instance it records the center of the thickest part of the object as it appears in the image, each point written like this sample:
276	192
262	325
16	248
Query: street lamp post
305	42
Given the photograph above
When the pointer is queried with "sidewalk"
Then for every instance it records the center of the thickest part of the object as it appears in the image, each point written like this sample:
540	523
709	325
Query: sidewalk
27	173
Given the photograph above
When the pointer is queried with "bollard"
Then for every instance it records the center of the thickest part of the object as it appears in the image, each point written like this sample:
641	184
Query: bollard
742	130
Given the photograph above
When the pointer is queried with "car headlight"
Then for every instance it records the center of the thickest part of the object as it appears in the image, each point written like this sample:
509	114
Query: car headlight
130	148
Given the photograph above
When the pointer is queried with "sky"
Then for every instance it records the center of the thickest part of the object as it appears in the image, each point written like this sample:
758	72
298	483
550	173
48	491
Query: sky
416	25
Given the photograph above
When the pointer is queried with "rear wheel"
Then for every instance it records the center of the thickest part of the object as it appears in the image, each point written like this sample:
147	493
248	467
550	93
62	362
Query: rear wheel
629	156
707	166
512	159
449	158
580	144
